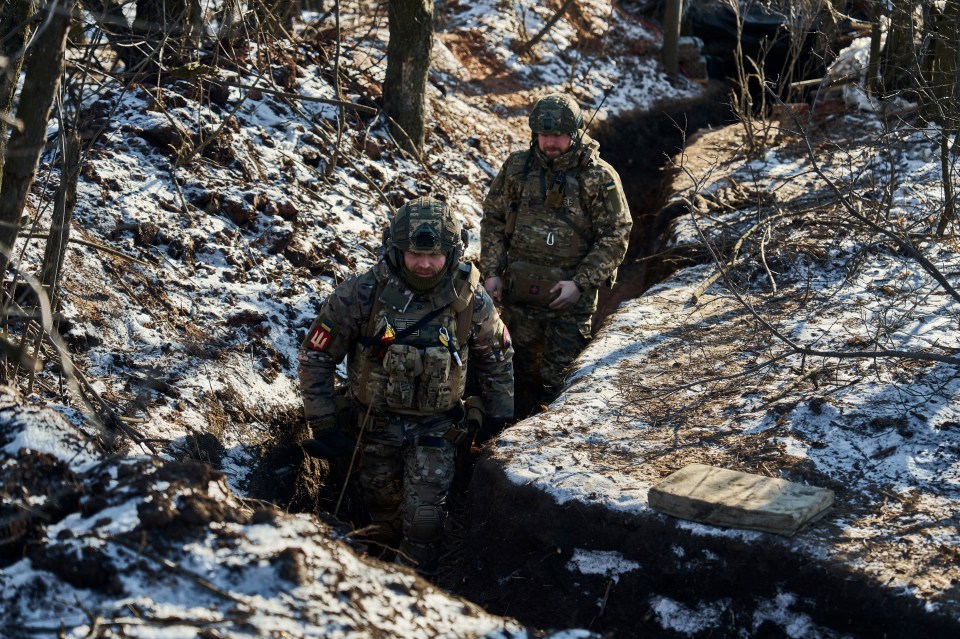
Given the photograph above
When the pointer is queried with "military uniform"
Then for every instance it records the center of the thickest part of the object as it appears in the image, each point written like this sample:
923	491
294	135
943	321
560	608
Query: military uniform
407	353
547	220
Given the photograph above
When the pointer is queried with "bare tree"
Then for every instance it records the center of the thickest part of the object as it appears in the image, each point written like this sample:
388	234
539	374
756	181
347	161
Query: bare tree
408	62
44	68
14	33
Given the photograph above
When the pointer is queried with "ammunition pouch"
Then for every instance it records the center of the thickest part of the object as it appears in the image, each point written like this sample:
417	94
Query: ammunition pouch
529	284
402	364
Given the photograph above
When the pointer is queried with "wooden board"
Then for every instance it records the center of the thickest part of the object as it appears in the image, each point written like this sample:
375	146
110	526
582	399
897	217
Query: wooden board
734	499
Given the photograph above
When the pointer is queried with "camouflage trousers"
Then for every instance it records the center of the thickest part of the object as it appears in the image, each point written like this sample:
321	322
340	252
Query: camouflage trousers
545	343
405	473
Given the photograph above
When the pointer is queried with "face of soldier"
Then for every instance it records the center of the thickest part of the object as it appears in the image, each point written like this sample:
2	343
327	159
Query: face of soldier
424	265
553	145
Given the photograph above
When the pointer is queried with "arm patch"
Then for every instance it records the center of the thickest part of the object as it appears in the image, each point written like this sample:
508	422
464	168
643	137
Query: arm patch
322	334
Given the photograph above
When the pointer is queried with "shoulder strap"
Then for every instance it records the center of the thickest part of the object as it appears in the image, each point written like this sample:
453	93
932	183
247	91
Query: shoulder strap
464	319
374	311
469	276
511	219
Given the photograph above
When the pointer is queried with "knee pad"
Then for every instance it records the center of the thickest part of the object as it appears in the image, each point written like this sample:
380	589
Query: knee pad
426	526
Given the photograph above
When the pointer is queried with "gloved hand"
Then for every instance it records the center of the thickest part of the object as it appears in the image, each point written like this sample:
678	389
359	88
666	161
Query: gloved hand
328	441
492	426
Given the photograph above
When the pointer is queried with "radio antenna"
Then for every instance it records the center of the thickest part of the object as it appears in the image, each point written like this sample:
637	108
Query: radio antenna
606	94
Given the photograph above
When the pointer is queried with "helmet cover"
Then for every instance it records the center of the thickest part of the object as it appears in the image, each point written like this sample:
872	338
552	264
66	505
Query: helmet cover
426	225
556	113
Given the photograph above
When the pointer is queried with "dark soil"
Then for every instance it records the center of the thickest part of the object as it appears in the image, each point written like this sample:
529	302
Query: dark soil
518	542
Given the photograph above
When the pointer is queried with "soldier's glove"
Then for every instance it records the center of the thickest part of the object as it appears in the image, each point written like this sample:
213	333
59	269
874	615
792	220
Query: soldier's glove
328	441
492	426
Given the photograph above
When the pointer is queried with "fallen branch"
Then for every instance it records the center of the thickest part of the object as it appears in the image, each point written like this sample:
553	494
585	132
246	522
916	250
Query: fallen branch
552	21
302	98
697	294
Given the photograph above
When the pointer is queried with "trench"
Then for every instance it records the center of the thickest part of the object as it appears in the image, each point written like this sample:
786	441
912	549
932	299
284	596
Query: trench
516	542
286	477
641	146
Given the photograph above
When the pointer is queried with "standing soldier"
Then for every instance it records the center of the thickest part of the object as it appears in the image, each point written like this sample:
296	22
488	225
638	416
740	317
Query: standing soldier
555	228
408	327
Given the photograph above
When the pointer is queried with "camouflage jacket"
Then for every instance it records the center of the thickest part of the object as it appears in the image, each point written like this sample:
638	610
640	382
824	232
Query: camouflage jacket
569	213
422	372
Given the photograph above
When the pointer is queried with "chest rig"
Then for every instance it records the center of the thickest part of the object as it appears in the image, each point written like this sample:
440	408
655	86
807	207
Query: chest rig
547	222
412	356
548	230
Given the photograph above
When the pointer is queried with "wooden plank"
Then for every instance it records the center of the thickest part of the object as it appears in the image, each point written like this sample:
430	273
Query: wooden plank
734	499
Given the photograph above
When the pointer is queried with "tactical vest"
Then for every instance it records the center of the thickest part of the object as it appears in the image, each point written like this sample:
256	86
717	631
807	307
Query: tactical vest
405	365
548	231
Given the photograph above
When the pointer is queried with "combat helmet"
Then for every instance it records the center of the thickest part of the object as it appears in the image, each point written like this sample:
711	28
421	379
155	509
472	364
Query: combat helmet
556	113
425	225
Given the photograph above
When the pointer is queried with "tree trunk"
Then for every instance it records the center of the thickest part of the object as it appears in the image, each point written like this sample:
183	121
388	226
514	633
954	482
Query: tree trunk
942	103
55	250
62	219
41	82
163	30
900	70
408	62
15	21
873	66
672	19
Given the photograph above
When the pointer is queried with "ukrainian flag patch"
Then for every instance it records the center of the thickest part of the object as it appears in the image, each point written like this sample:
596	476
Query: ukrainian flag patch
610	185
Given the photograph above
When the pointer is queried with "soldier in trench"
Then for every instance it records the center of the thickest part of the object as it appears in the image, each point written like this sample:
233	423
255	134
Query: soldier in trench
408	328
555	228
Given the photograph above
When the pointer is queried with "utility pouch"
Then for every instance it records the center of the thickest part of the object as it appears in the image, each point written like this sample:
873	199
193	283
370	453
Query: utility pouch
460	432
529	284
554	197
403	366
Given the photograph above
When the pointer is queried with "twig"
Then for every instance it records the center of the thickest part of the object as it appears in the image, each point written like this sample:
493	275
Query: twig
86	391
94	245
763	259
346	158
332	164
697	294
180	570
